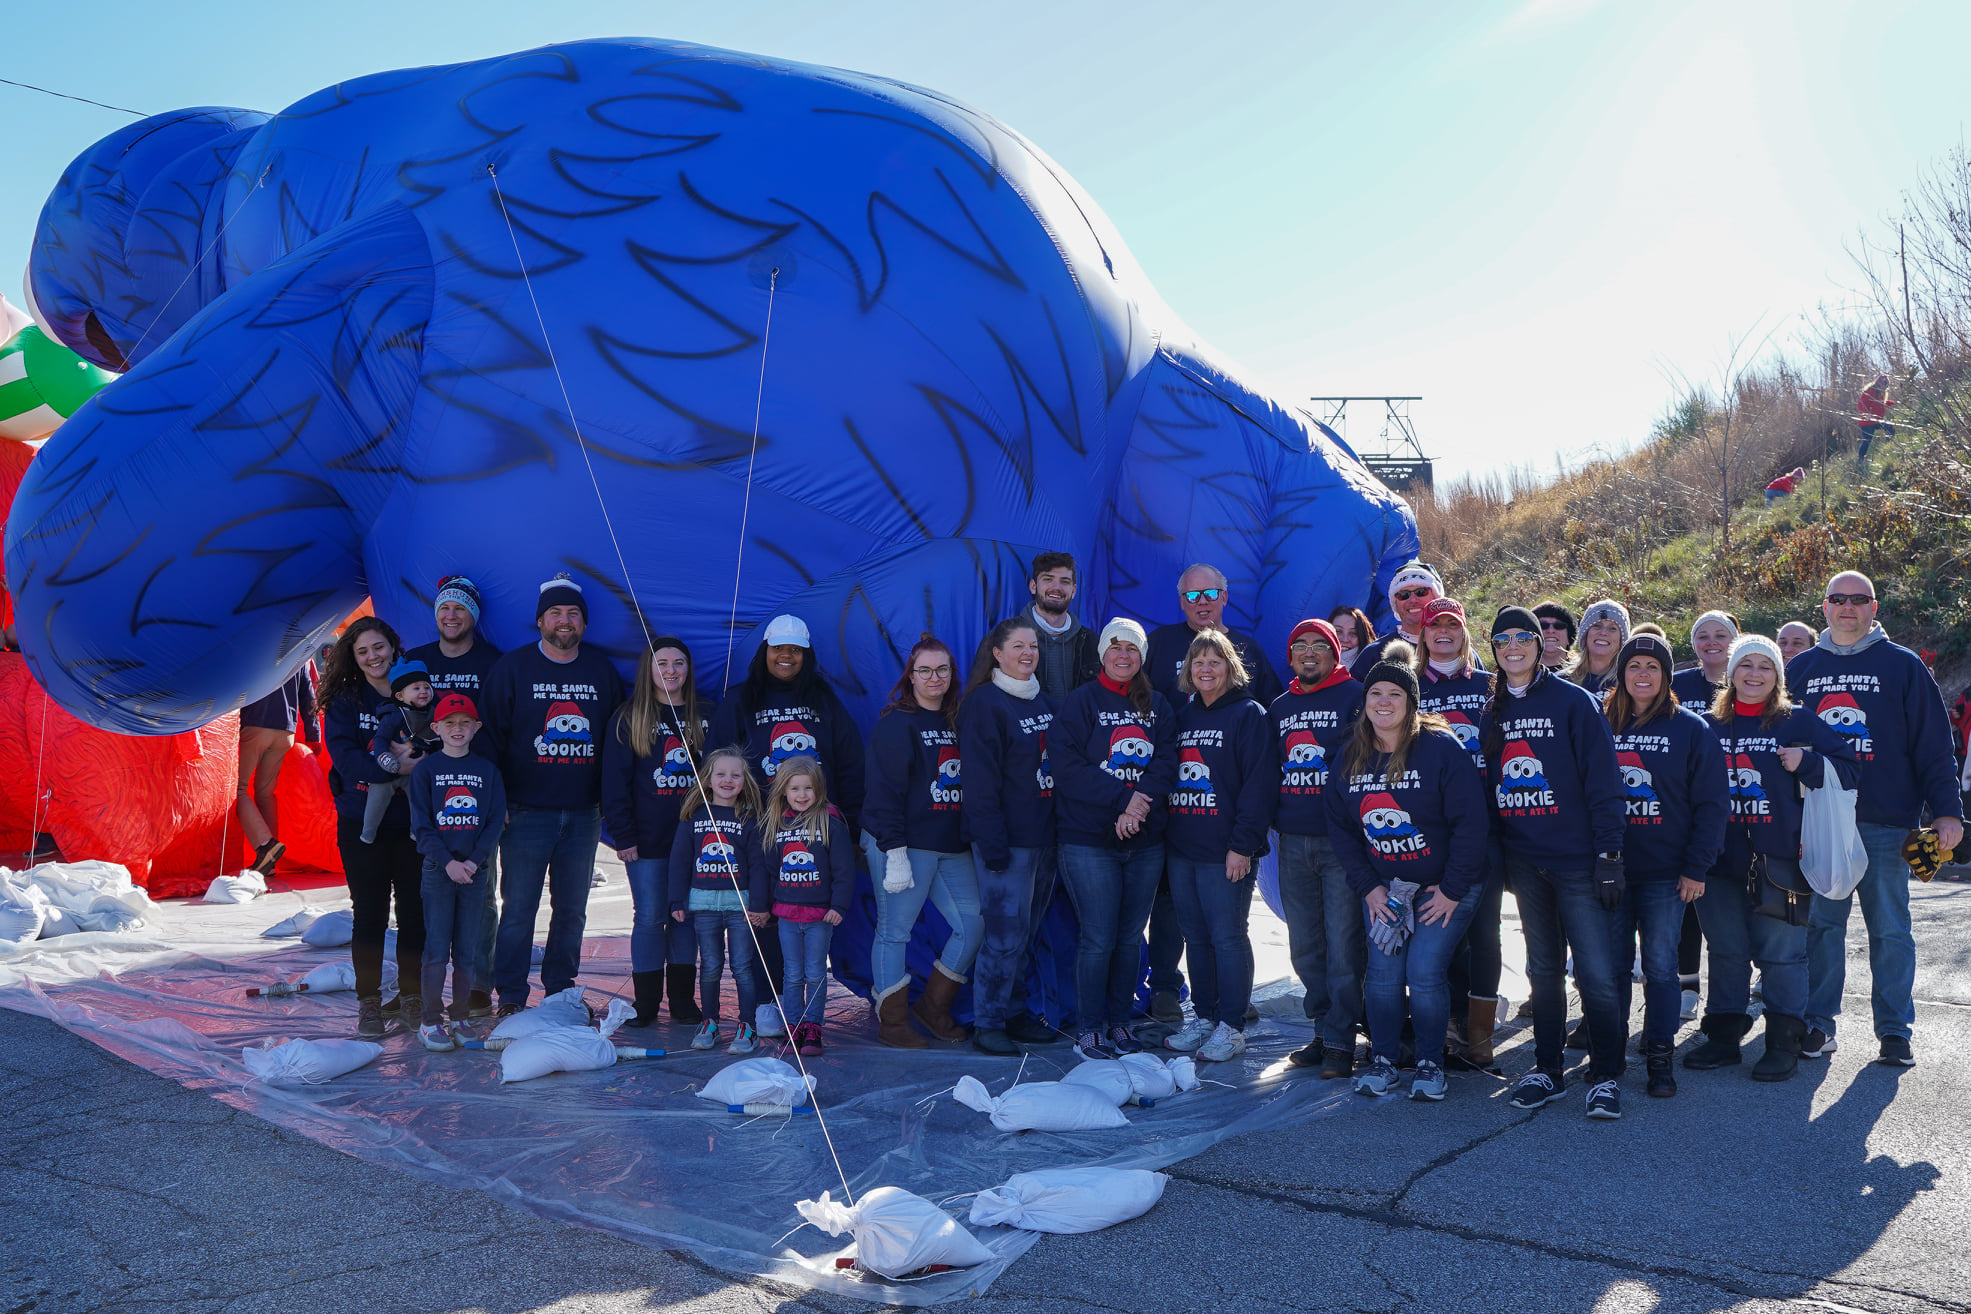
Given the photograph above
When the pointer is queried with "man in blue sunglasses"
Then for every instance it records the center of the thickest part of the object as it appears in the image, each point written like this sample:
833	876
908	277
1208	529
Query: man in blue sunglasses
1201	596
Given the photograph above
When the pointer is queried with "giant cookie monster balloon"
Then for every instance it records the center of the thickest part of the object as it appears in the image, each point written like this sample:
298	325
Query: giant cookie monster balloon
527	315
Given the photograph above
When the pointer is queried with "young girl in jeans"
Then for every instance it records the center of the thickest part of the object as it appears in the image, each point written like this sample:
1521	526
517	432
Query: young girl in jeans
810	869
715	882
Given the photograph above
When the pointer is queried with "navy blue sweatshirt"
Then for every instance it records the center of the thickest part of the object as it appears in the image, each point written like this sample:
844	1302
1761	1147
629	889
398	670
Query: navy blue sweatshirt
913	796
1694	690
1169	644
466	673
1009	783
1311	729
1765	805
348	725
1104	751
1372	654
797	870
788	723
641	794
545	717
1427	825
1674	786
1461	700
709	845
1555	790
1885	702
1228	779
458	807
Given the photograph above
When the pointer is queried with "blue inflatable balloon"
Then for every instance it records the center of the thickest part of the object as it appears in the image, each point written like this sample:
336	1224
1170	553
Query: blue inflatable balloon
678	321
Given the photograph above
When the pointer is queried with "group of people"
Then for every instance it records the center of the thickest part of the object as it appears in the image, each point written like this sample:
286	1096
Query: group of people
1409	783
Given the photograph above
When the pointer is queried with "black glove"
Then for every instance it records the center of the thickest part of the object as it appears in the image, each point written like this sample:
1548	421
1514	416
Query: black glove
1610	882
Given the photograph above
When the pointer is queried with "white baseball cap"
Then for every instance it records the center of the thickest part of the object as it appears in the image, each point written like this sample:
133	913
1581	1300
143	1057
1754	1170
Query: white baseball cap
787	629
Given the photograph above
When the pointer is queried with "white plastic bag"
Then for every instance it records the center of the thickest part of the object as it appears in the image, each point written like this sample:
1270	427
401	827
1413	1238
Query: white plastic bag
331	977
293	926
1156	1078
243	888
308	1062
1042	1106
565	1049
1831	854
330	930
758	1081
23	910
98	896
1107	1076
1069	1199
559	1010
57	921
896	1232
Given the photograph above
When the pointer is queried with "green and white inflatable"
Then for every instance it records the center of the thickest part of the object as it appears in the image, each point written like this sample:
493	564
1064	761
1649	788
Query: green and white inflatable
42	383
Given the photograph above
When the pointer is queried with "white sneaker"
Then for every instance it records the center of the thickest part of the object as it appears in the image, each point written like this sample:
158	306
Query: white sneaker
743	1043
1225	1043
1688	1013
1194	1033
1380	1079
708	1034
1429	1082
435	1037
768	1022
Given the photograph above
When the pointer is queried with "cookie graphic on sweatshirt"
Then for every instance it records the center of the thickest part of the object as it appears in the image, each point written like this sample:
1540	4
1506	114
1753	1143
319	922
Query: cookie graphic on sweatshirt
1043	776
1389	829
947	788
1465	732
565	733
460	808
1636	780
1306	765
716	854
1192	773
1523	788
1129	752
1748	788
797	864
1844	716
673	773
790	739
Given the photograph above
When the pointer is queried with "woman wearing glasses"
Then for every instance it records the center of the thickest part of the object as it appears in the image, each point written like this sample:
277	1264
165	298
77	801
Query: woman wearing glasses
1114	747
1559	815
913	837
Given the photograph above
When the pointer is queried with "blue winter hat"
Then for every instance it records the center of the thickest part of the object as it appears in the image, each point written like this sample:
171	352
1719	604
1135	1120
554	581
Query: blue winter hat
459	589
406	673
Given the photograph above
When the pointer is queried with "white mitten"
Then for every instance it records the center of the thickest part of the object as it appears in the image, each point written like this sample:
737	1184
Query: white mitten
896	871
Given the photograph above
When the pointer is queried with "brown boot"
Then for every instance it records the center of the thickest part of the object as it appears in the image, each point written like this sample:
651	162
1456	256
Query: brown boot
893	1018
933	1007
1481	1015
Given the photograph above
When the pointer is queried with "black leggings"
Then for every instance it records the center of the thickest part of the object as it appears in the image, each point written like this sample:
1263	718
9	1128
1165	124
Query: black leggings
1690	949
1479	960
376	872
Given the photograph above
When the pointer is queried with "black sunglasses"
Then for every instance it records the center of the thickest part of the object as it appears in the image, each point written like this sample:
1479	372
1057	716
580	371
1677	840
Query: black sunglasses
1203	595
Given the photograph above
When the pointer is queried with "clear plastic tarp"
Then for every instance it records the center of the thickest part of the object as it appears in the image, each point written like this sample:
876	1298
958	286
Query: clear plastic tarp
631	1149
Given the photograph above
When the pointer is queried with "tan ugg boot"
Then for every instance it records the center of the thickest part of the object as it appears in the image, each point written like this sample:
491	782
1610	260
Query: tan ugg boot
893	1018
933	1008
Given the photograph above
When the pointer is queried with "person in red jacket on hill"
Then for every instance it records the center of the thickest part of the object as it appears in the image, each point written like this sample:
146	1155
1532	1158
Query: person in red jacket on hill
1872	416
1785	485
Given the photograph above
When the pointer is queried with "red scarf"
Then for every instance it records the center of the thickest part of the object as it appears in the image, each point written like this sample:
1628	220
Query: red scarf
1743	708
1102	678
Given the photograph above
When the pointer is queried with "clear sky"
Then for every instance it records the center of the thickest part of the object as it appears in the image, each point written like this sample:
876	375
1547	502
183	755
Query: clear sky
1523	212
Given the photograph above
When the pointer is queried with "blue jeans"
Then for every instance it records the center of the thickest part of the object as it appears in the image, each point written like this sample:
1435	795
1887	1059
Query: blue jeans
1324	936
650	915
1559	908
1739	937
452	915
949	881
1420	965
718	932
1166	942
805	947
555	851
489	928
1213	913
1112	890
1652	910
1884	896
1011	904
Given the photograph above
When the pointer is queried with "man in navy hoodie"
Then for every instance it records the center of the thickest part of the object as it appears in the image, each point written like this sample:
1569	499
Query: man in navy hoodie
1883	698
546	706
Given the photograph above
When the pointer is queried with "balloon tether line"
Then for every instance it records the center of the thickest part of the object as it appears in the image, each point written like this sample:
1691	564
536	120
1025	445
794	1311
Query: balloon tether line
746	507
704	793
40	751
224	221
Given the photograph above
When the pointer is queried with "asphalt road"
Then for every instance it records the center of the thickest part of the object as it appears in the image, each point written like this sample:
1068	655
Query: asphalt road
1847	1188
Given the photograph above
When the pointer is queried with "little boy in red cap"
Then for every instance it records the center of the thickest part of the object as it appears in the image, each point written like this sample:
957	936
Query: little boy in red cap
458	805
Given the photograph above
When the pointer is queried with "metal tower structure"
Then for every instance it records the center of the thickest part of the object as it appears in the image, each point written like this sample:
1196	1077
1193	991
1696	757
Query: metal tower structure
1394	455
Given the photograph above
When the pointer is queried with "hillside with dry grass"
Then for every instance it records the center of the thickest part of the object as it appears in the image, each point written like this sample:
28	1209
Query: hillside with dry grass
1680	524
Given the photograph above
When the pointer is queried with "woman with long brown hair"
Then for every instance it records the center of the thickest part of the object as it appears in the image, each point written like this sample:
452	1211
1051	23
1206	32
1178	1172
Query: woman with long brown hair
355	691
914	838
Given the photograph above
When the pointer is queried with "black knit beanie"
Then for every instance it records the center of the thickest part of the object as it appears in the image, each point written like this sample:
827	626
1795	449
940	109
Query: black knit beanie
1515	618
561	591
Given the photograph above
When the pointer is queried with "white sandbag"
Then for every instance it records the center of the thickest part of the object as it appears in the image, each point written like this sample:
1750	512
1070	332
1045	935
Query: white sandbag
308	1062
1155	1078
559	1010
1069	1200
331	977
295	925
896	1232
330	930
23	909
57	921
759	1081
565	1049
98	896
243	888
1107	1076
1042	1106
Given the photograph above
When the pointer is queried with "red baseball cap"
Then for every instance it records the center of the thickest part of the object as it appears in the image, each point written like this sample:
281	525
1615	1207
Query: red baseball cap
1444	607
454	704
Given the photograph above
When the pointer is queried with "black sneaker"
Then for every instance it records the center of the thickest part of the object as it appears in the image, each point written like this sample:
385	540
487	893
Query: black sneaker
1307	1056
1121	1042
1605	1101
1895	1052
505	1011
390	1005
1336	1063
1818	1044
1089	1045
369	1020
1578	1037
1536	1089
1030	1030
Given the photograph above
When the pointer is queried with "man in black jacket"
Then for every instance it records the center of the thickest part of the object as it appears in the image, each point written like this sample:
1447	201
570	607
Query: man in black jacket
1067	647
